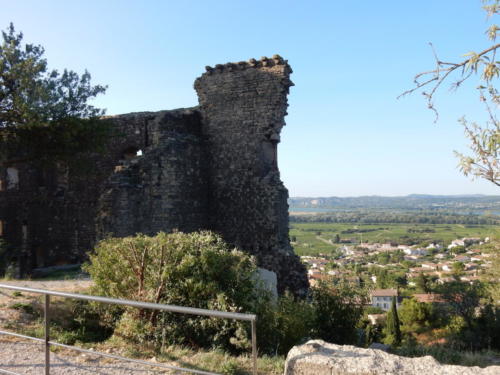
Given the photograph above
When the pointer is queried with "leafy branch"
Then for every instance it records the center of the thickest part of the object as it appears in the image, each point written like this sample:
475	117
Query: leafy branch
484	141
45	113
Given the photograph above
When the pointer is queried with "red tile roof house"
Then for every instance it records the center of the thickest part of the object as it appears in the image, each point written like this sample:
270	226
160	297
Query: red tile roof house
461	258
383	298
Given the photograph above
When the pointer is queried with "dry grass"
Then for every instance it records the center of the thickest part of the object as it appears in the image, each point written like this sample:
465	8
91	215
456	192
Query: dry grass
21	313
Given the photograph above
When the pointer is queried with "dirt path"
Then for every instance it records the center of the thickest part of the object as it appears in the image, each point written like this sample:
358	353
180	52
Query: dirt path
25	357
70	286
28	358
322	239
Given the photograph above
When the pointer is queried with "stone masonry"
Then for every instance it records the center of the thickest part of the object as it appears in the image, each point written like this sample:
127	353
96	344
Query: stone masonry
209	167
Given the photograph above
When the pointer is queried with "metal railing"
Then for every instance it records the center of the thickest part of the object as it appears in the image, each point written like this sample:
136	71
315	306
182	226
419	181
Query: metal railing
171	308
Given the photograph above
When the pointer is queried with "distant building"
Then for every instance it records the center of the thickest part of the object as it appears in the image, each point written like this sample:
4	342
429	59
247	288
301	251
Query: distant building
434	246
409	251
383	298
445	267
464	242
462	258
429	266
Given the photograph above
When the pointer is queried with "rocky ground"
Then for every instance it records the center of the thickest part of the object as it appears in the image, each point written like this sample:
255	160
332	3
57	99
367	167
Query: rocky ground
317	357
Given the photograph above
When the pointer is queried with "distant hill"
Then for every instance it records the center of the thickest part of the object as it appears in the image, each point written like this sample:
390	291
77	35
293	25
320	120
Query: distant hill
474	202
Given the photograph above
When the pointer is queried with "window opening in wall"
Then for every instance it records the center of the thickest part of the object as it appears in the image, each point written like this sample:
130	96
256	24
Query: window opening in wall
12	178
62	175
131	153
275	139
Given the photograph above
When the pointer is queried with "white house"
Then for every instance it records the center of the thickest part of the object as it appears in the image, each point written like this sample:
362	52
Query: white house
383	298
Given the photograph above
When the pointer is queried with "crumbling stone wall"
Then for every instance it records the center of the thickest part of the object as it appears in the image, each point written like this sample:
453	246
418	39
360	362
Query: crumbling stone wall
243	106
209	167
165	188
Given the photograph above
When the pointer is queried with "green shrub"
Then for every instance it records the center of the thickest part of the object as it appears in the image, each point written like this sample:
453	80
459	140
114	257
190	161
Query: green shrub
24	307
337	311
392	330
283	324
373	310
194	270
416	316
200	270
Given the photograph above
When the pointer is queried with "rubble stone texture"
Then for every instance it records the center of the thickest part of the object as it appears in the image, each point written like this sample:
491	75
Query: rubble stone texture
317	357
209	167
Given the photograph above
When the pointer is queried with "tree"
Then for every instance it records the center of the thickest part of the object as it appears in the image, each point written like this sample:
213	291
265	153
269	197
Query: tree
492	276
337	312
384	257
415	315
392	330
423	283
458	269
488	327
44	113
484	140
463	299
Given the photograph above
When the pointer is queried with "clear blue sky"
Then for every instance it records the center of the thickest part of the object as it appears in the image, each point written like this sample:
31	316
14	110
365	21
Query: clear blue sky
346	133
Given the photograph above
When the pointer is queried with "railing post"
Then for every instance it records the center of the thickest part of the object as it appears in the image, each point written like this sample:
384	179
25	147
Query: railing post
254	346
47	334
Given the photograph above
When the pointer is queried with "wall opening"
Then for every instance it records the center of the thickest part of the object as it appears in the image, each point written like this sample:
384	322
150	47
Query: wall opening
62	176
12	178
2	228
131	153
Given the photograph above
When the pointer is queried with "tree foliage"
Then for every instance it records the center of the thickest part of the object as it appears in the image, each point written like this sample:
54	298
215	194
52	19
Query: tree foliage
392	329
463	299
415	316
196	270
45	112
492	276
484	140
200	270
337	311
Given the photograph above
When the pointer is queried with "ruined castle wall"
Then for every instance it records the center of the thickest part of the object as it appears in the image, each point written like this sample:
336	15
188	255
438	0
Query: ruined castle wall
45	217
243	107
49	215
165	188
211	167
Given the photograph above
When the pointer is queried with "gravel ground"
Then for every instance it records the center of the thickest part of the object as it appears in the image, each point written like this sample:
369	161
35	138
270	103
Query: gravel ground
29	358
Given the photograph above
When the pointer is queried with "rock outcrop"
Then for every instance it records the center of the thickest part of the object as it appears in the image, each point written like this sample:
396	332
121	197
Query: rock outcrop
317	357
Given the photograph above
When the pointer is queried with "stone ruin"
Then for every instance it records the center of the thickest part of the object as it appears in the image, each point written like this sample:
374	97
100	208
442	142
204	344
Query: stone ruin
211	167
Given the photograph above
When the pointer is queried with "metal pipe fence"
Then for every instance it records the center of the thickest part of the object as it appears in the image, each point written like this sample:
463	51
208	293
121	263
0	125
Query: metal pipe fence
252	318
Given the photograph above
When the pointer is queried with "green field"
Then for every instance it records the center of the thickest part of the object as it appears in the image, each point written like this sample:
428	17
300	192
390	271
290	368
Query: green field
313	238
